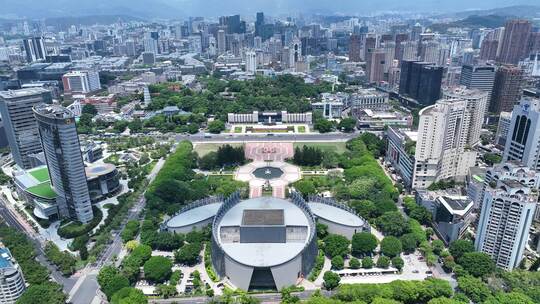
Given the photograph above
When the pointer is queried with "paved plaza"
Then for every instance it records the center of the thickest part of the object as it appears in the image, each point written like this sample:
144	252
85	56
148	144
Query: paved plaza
269	151
268	155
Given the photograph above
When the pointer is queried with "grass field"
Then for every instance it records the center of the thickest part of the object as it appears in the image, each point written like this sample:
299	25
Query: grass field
338	147
41	174
301	129
237	129
203	149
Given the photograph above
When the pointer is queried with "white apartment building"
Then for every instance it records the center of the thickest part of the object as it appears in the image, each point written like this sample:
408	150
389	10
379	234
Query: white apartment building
476	103
507	212
251	62
445	135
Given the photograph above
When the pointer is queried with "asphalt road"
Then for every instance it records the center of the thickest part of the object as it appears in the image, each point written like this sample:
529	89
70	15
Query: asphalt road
86	291
226	137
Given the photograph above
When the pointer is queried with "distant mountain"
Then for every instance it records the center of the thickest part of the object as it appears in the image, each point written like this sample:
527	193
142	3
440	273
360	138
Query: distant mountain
475	21
523	11
34	9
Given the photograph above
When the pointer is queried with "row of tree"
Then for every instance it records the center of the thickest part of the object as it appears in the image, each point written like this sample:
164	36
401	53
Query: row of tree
41	289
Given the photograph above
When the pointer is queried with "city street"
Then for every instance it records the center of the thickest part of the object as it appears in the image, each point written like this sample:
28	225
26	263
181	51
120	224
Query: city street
86	289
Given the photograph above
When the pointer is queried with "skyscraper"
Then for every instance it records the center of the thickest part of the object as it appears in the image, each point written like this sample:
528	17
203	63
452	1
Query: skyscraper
515	40
355	44
259	24
445	131
11	277
508	208
420	81
34	49
62	151
19	122
523	138
480	77
506	89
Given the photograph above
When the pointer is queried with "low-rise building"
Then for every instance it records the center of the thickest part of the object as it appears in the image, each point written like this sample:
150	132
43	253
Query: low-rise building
369	99
451	213
34	186
270	117
400	153
378	120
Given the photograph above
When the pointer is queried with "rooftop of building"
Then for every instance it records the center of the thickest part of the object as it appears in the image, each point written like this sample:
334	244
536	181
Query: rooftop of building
193	216
22	92
6	260
463	92
41	174
53	111
94	171
458	205
264	254
336	215
43	190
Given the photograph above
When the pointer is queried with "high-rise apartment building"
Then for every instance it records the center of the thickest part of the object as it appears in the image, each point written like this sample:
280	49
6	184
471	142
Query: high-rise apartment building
508	208
375	64
506	89
62	151
251	62
409	51
479	77
445	135
221	42
420	81
476	104
505	118
81	82
515	41
370	43
488	49
34	49
19	122
11	277
523	138
355	44
398	52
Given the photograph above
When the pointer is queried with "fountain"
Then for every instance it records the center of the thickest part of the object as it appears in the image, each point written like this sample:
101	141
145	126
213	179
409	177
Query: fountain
268	172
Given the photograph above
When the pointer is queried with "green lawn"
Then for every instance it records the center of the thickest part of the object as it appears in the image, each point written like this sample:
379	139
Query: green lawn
203	149
43	190
41	174
237	129
301	129
338	147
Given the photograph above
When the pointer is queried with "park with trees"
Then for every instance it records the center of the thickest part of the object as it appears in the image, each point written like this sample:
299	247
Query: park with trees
365	187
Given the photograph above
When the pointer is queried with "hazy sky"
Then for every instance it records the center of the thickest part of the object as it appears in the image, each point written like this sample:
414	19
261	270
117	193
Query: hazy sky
182	8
